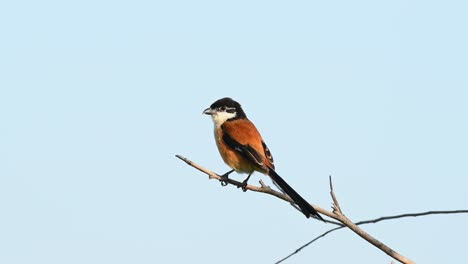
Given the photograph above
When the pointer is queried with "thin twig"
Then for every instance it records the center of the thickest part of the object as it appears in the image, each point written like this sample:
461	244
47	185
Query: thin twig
336	204
383	218
373	221
308	243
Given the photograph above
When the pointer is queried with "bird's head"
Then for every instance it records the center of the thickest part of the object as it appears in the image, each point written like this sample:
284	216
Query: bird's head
224	109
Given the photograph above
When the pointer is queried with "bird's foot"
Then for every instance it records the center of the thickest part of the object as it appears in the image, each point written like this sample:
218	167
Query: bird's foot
244	186
224	180
244	183
225	177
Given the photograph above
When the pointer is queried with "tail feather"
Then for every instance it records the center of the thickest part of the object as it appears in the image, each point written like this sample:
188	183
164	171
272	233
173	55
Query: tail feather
306	208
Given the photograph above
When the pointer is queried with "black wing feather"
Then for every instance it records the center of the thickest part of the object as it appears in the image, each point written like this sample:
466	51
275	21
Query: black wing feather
246	151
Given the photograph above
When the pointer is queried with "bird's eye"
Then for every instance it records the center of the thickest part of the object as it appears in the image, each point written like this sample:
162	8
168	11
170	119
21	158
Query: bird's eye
223	108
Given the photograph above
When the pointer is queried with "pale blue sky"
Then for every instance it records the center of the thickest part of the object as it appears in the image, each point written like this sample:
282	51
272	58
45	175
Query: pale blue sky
96	98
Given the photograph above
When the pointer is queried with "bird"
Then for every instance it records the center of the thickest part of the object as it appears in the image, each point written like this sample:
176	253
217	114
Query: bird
243	149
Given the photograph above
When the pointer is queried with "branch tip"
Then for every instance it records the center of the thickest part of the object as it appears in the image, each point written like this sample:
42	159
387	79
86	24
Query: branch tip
336	205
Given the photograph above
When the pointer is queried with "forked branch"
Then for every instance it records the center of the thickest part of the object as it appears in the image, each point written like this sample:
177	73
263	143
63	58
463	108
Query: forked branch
336	214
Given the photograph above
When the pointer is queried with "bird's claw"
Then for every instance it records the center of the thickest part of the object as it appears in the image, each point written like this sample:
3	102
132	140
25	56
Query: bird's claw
244	186
224	180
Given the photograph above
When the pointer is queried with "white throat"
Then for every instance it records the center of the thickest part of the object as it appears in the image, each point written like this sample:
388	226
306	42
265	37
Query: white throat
220	117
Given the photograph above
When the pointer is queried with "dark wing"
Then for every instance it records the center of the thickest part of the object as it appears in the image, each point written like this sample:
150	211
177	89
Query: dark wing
246	151
242	136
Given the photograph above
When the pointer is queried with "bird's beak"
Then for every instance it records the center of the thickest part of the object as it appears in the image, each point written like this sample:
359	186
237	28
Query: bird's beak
208	111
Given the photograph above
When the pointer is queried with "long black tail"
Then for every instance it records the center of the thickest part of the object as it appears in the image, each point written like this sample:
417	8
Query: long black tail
306	208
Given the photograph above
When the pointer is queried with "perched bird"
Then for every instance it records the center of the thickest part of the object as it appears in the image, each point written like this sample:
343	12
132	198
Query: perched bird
242	148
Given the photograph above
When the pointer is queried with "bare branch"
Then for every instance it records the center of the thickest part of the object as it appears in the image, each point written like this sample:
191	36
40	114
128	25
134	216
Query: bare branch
373	221
337	214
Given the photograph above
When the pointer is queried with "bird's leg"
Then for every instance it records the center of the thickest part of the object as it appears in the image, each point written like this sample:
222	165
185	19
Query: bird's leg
225	177
244	183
